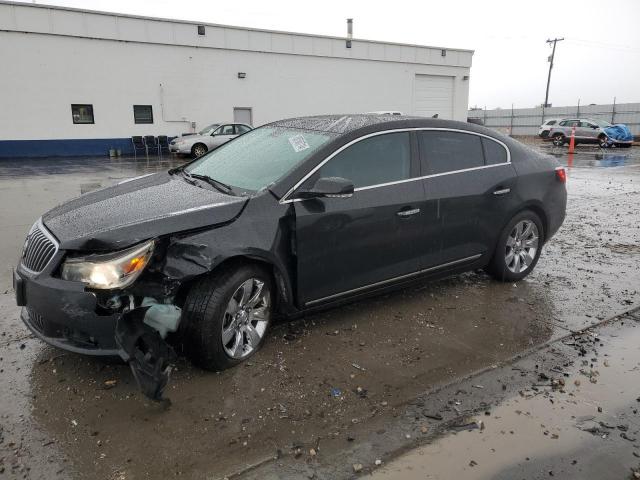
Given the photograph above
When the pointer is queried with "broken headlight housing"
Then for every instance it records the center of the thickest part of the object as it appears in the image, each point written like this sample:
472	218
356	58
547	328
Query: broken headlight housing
111	270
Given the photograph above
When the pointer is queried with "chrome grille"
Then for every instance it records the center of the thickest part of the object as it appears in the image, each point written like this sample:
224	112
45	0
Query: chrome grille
39	249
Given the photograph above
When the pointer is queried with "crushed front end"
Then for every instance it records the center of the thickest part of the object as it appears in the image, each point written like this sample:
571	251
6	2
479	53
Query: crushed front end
93	312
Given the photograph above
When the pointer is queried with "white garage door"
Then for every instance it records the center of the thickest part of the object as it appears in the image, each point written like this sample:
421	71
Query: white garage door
433	94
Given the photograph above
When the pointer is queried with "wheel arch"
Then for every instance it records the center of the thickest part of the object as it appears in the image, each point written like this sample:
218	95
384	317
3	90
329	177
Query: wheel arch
279	275
539	210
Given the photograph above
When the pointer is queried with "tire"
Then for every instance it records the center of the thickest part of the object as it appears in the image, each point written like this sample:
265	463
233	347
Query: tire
559	139
208	316
198	150
501	267
603	141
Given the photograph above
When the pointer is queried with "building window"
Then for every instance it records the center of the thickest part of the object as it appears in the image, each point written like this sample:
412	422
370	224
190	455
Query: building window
142	114
201	30
82	113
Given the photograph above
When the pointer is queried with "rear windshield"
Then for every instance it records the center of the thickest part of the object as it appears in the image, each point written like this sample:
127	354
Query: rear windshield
259	157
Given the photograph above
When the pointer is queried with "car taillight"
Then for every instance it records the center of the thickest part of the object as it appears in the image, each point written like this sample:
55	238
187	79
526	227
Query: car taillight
561	174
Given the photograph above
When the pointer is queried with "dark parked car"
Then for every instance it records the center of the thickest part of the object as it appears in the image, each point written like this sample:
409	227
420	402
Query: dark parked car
291	217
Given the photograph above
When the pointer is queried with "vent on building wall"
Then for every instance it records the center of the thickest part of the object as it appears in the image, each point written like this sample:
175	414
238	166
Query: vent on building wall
443	53
201	30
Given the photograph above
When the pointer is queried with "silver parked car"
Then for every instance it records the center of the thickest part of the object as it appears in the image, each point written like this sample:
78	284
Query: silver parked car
207	139
588	130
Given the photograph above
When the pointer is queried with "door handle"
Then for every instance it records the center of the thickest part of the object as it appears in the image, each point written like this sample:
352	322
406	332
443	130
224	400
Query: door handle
408	213
502	191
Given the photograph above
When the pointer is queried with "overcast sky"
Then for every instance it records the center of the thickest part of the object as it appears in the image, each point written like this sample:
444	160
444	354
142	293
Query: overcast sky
599	59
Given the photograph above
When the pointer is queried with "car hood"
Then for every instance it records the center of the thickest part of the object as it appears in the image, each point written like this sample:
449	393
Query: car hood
136	210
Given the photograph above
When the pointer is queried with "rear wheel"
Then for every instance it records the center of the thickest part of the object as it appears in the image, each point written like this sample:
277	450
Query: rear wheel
559	139
226	316
518	248
198	150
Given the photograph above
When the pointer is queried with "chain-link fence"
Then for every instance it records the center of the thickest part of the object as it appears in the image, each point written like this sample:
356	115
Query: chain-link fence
527	121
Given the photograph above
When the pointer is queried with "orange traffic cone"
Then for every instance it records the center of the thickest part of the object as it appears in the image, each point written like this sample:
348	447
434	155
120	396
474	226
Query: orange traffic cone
572	142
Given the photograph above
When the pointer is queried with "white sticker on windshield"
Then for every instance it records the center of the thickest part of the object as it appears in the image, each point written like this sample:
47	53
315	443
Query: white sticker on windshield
298	143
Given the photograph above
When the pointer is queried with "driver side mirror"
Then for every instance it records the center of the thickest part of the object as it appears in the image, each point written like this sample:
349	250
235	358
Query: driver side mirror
328	187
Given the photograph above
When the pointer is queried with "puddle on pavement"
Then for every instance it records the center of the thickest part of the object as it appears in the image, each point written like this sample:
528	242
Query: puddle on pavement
552	434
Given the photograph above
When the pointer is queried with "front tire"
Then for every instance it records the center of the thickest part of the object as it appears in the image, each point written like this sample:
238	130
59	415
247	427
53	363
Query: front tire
226	316
518	248
198	150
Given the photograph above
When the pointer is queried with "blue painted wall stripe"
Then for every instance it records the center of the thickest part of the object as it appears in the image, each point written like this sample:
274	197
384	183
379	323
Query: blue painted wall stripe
64	148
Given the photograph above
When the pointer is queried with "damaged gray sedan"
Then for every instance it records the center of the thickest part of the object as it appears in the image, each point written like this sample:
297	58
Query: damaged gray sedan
291	217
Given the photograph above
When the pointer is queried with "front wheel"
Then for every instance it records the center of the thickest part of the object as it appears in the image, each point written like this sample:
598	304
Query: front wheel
518	248
198	150
226	316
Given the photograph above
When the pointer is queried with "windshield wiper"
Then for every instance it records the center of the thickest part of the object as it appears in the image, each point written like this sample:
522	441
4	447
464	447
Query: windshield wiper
223	187
186	175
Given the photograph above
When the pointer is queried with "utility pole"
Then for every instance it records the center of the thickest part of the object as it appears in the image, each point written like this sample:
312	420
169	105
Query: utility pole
553	53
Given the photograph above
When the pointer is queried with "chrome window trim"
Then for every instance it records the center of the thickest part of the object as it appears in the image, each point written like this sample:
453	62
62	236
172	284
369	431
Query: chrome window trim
391	280
40	226
285	198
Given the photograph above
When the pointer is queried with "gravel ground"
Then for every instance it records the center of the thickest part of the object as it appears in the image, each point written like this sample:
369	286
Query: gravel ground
333	389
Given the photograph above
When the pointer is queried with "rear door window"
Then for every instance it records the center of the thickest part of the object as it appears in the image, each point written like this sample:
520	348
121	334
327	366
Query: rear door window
372	161
444	151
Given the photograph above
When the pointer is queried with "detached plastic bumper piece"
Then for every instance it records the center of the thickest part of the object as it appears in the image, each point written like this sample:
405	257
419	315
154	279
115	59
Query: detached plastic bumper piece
148	355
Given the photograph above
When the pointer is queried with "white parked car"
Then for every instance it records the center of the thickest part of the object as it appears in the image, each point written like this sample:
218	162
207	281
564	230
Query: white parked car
207	139
546	127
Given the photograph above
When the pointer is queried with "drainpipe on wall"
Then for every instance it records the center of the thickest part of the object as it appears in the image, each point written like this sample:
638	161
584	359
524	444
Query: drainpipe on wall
183	120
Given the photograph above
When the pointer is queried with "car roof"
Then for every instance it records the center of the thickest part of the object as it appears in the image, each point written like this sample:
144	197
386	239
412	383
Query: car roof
348	123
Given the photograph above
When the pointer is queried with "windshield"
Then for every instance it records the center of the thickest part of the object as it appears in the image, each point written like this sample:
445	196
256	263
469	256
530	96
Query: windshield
208	130
601	123
259	157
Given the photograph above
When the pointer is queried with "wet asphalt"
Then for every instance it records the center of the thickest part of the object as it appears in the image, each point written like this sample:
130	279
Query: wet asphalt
336	391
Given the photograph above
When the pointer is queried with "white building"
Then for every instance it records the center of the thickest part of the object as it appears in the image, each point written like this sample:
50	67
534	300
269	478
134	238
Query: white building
71	78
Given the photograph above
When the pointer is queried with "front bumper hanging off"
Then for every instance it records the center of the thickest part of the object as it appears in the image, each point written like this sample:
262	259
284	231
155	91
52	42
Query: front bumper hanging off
65	315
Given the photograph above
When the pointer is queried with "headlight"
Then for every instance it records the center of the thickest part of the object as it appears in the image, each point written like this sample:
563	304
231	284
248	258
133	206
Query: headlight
112	270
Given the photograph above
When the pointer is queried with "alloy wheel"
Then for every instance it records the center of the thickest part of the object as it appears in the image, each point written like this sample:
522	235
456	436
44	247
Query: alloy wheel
246	318
558	140
603	142
522	246
199	150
